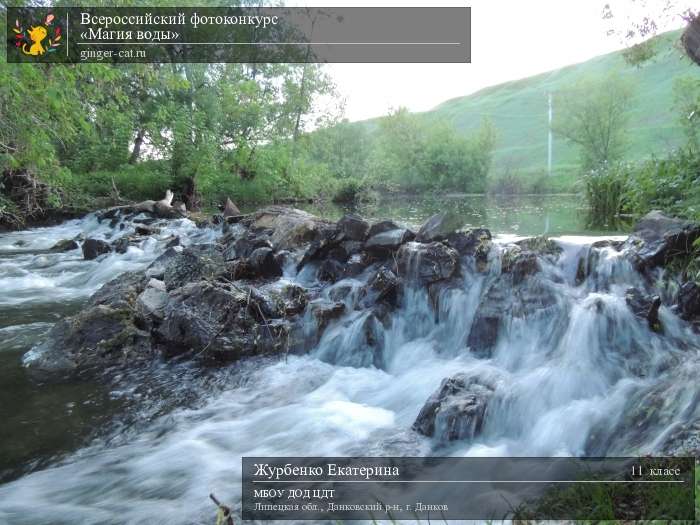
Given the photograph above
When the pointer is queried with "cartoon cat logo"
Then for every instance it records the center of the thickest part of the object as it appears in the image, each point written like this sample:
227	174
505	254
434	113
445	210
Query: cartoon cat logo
37	35
31	41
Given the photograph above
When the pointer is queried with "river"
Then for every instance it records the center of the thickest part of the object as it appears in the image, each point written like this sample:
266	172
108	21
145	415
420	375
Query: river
151	451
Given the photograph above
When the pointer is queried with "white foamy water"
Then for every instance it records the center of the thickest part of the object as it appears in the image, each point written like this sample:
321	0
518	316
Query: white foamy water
564	376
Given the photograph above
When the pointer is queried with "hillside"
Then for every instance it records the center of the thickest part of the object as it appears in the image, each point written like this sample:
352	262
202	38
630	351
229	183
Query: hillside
519	111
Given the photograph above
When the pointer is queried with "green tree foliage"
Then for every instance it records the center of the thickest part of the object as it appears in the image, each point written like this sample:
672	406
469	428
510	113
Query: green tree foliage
413	154
593	115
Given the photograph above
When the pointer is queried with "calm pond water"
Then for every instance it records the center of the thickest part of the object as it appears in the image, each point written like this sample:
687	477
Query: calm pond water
44	421
552	215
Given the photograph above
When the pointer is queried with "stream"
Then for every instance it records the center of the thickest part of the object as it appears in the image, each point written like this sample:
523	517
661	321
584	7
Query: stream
583	376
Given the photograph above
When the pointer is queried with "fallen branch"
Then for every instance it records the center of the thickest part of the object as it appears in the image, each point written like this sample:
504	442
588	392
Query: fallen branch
223	515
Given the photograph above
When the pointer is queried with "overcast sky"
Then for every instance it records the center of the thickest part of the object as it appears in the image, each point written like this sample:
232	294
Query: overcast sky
510	39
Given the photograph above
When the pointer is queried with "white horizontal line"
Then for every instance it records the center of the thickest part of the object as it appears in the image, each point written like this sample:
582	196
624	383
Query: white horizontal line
269	43
467	481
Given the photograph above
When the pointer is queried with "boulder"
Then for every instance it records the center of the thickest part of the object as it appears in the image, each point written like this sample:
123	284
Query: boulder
388	241
264	263
193	264
456	410
469	242
291	228
230	209
324	312
540	245
295	299
330	271
150	305
121	292
354	228
157	267
381	227
96	337
213	320
689	302
657	239
65	245
237	248
427	263
644	307
93	248
520	264
383	287
261	264
146	231
439	227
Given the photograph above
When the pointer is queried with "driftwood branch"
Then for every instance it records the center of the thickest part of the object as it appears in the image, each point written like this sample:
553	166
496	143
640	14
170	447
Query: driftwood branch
224	516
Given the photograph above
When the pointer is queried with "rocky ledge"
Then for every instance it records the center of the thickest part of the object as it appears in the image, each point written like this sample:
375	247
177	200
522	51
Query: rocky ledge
276	280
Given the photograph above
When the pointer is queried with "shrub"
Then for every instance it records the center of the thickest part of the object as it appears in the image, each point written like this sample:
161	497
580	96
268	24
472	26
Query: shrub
605	189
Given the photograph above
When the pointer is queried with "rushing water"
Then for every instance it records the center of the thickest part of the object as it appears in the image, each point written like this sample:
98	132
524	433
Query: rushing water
567	378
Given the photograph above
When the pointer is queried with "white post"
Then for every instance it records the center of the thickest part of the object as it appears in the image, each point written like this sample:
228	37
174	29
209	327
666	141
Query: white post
549	145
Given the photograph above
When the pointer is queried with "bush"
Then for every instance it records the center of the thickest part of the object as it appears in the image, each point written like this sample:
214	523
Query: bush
671	184
605	189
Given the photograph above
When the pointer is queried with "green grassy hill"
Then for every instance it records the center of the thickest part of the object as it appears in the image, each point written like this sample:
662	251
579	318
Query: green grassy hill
519	111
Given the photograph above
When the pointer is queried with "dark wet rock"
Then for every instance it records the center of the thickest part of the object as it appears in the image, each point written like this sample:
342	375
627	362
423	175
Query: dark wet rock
93	248
657	239
384	286
381	227
388	241
469	242
341	292
146	230
437	289
295	299
456	410
145	220
645	307
174	241
330	245
351	247
262	264
157	267
193	264
689	302
291	228
428	263
483	335
121	245
519	264
121	292
540	245
354	228
330	271
504	300
324	312
238	248
439	227
65	245
608	243
221	321
587	263
97	336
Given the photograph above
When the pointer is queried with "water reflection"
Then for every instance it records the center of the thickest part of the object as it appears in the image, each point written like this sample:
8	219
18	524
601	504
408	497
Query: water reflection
551	215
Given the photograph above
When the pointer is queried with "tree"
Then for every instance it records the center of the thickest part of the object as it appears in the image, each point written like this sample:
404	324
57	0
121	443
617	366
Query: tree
593	115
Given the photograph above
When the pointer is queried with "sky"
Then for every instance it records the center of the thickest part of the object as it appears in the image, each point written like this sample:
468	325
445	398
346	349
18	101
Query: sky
511	39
